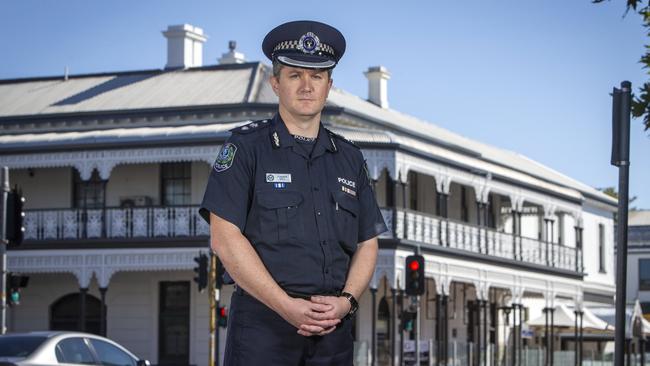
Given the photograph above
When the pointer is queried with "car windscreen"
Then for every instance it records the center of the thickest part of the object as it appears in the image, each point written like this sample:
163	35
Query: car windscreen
19	346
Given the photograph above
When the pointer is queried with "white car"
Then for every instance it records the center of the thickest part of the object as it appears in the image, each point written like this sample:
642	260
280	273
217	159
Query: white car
51	348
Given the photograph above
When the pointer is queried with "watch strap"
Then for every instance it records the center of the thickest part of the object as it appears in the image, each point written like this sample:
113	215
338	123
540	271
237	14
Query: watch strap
354	304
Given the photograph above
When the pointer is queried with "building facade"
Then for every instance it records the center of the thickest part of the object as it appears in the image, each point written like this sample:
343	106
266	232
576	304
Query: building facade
114	165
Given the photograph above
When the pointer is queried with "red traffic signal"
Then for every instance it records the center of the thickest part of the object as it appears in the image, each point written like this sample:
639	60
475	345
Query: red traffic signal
222	316
414	265
414	275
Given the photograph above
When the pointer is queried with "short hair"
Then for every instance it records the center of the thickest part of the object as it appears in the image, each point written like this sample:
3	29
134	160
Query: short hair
277	66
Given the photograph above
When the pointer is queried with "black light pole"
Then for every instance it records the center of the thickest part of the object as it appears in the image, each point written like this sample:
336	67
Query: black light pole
621	159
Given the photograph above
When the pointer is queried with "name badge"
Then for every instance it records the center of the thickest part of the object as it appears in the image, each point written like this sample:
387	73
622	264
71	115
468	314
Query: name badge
278	178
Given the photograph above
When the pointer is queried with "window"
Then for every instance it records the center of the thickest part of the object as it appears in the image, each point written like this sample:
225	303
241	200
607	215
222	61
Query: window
109	355
413	190
174	323
644	274
464	211
601	247
74	350
64	313
560	229
19	346
176	179
89	193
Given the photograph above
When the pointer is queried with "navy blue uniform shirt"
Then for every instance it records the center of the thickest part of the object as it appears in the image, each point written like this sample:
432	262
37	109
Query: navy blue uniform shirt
303	215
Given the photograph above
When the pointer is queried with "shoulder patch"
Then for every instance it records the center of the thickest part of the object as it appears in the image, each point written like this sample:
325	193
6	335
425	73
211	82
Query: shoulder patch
341	138
250	127
226	157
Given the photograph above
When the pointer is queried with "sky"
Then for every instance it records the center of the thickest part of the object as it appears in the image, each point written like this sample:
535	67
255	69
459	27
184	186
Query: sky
533	76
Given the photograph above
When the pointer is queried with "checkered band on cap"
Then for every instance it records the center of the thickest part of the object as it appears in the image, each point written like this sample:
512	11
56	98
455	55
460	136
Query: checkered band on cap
295	45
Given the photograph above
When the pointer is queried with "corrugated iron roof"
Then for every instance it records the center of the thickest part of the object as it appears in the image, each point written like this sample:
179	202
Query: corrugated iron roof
128	91
246	83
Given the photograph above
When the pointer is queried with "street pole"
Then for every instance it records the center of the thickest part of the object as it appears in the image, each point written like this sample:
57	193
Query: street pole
213	353
4	178
417	330
621	159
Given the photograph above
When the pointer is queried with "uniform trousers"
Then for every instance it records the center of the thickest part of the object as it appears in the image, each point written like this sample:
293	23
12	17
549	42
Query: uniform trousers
259	336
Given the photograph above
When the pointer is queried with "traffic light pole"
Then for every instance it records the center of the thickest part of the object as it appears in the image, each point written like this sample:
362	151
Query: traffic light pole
417	324
621	159
4	178
213	294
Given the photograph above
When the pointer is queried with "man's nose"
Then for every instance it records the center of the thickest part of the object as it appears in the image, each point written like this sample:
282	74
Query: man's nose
306	84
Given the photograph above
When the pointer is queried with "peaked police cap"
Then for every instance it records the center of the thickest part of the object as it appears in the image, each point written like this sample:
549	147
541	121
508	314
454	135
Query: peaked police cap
307	44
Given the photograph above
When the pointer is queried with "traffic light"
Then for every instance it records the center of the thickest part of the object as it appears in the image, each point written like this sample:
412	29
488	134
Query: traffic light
220	272
222	317
414	275
14	284
201	270
408	319
15	216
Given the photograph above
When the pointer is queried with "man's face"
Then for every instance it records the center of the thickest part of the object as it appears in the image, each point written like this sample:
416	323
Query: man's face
302	92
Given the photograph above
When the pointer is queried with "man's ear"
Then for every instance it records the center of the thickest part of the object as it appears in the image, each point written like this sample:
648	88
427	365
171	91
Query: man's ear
275	84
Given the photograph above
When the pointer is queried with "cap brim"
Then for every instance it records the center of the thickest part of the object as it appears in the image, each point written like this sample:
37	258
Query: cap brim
306	61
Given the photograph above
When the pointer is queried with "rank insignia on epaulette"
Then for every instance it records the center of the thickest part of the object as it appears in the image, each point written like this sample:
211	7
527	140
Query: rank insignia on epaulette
333	143
366	170
275	139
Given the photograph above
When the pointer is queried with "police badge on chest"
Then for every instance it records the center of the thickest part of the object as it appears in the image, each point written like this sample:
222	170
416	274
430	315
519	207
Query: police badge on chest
279	180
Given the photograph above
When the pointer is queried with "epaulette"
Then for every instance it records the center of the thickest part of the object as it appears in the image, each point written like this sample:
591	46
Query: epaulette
337	136
250	127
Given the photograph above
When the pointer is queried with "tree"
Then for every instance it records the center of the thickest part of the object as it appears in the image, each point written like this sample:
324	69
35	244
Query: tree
641	102
611	191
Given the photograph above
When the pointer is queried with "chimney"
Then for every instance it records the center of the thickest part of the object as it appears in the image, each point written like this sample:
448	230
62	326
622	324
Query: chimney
378	85
232	56
184	46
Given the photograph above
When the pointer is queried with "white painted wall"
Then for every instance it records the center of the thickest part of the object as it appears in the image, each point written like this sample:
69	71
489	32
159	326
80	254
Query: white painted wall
133	180
592	217
57	193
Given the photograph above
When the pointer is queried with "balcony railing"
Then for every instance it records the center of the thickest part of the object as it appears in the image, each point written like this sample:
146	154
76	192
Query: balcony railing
438	231
184	221
135	222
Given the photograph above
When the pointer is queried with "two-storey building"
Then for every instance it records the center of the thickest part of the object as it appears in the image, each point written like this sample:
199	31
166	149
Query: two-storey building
114	165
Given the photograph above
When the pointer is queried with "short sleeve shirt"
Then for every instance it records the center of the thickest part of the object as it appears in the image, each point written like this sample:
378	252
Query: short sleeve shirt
304	214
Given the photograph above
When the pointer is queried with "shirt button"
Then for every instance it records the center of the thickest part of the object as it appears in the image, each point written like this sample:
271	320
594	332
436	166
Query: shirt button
318	213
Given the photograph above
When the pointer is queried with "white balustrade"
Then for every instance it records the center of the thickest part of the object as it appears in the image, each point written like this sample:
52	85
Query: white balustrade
137	222
184	221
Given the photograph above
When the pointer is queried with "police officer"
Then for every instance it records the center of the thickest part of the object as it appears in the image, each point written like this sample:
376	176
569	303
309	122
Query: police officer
293	216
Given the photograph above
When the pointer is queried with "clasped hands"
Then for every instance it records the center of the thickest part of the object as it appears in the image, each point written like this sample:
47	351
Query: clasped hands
319	316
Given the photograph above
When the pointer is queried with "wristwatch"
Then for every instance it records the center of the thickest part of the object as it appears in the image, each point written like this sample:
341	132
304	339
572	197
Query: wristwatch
354	305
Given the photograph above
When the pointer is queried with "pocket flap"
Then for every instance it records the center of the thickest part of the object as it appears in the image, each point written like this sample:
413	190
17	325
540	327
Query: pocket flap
279	199
346	202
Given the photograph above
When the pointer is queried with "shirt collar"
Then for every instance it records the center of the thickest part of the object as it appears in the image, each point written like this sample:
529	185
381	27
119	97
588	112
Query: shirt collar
280	138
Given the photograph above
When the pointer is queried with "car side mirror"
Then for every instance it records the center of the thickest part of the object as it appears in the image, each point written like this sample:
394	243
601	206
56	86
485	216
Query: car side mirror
143	363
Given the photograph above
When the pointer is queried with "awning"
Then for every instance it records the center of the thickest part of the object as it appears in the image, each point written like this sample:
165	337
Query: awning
632	313
565	317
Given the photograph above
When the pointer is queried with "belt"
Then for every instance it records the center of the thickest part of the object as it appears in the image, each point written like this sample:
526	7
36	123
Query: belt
293	294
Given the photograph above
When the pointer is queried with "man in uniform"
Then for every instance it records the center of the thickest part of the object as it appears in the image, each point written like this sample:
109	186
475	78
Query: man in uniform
293	216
